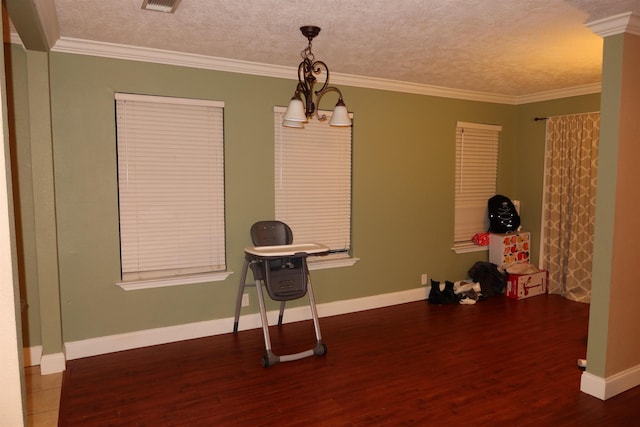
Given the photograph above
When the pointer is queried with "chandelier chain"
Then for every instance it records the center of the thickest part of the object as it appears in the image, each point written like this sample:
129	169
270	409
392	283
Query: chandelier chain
306	53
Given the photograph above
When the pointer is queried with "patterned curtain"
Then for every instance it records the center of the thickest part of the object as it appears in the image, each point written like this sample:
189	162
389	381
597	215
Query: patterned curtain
571	159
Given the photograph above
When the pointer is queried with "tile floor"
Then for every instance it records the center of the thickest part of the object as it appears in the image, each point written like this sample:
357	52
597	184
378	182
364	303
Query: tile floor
43	397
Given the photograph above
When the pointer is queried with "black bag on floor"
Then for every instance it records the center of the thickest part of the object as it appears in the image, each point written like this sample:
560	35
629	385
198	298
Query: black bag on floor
491	280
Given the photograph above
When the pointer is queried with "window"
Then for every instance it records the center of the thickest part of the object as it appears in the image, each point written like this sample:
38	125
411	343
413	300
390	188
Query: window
171	190
475	182
313	183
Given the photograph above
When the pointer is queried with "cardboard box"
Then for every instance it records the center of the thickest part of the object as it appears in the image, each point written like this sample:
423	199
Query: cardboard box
509	248
520	286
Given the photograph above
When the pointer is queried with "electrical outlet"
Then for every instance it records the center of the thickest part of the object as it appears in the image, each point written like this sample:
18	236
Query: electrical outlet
424	279
245	300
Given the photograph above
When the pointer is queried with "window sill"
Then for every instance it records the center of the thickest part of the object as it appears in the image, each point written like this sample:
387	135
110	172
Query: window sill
323	264
464	248
222	275
175	281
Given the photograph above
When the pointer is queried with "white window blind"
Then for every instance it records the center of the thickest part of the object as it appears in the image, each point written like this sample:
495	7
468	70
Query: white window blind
313	182
476	175
171	186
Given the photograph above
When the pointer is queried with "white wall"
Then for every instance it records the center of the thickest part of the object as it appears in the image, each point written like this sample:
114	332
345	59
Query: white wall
12	411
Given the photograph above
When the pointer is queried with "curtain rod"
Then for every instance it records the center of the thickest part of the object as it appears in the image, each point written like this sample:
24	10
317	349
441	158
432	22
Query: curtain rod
537	119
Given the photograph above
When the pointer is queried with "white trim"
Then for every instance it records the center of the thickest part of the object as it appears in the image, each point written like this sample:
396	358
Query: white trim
465	248
52	363
420	89
560	93
627	22
222	275
32	355
593	385
133	53
355	305
144	54
121	96
145	338
481	126
14	38
605	388
217	276
331	263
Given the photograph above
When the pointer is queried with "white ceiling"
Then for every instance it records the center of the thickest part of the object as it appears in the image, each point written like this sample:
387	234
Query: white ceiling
506	47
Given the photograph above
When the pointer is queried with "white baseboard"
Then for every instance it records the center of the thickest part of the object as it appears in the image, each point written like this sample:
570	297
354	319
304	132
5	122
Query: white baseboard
138	339
605	388
49	363
52	363
32	355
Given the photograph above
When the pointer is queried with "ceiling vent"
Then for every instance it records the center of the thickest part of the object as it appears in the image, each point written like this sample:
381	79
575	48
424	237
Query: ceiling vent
167	6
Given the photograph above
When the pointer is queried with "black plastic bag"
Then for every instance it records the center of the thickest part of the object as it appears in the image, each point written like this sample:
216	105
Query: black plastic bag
491	280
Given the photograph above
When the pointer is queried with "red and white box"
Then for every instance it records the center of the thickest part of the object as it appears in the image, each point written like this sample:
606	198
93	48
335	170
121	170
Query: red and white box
509	248
520	286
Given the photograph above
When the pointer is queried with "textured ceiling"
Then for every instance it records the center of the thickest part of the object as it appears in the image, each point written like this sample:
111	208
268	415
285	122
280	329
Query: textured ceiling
506	47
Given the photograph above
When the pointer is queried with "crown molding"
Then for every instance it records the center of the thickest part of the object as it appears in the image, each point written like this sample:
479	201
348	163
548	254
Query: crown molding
419	89
623	23
13	38
144	54
135	53
561	93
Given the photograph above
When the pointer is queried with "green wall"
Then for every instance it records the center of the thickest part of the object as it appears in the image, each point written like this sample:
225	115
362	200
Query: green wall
402	189
18	122
403	175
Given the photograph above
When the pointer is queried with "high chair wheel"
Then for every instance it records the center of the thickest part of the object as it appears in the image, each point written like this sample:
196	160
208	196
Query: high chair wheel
324	348
320	350
265	361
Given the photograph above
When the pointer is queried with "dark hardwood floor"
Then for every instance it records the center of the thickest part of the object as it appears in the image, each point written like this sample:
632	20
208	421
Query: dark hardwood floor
497	363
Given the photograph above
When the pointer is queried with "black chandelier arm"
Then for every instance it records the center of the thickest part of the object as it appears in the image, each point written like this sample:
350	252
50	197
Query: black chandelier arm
305	75
320	93
309	106
317	68
307	80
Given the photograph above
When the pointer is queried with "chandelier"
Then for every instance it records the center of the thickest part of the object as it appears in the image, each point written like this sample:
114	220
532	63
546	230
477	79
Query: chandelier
299	112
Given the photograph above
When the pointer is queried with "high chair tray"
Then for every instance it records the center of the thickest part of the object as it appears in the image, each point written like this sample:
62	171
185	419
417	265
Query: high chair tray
287	250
